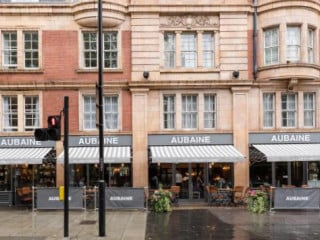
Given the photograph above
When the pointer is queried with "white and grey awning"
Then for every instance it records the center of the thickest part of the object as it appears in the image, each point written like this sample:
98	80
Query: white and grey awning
289	152
78	155
30	155
203	153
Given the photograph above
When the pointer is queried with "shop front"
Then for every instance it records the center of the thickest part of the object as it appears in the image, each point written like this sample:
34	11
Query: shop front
25	163
285	159
192	162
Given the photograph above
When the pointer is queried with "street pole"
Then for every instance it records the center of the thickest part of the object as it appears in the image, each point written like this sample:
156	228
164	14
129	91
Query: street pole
101	126
66	166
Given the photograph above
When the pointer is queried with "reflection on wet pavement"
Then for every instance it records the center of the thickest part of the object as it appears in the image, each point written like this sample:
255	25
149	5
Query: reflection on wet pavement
192	224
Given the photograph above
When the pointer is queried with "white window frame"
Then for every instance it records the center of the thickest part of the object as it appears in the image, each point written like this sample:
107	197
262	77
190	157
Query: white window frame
311	45
169	111
293	43
210	111
189	53
32	50
89	112
268	101
110	54
309	109
208	49
169	41
271	46
111	112
31	112
10	120
189	111
9	49
288	110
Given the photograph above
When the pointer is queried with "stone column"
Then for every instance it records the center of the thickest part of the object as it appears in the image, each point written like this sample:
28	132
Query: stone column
240	133
139	137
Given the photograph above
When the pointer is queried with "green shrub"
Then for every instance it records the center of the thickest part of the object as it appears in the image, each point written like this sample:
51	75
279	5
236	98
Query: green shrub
257	201
161	201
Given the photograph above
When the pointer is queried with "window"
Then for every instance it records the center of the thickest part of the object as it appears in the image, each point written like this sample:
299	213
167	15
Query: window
293	43
271	46
31	113
89	113
110	49
169	50
9	49
31	50
111	112
309	109
188	50
209	111
90	49
208	50
268	110
169	112
10	113
189	111
288	103
310	45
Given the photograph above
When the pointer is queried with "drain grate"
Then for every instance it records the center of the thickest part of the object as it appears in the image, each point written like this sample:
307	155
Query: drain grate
88	222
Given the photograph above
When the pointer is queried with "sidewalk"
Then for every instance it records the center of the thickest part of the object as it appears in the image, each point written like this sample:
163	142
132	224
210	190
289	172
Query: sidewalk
83	225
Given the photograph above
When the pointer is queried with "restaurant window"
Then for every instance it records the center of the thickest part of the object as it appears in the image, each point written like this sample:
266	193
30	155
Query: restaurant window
31	113
110	49
189	111
309	109
169	113
310	45
288	111
169	50
268	110
271	46
189	50
31	50
207	50
293	44
9	49
209	111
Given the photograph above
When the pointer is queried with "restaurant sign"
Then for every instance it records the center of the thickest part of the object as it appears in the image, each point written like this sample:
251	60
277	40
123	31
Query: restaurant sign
297	198
130	198
276	138
91	141
194	139
22	142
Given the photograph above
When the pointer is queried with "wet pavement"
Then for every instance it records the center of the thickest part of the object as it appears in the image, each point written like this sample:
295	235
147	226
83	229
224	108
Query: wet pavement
233	223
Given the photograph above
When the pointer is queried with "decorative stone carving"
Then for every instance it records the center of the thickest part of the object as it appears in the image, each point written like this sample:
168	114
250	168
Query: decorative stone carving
190	21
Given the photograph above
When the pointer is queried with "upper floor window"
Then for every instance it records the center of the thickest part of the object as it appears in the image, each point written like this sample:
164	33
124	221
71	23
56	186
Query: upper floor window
189	54
309	109
271	46
31	50
288	109
207	50
169	50
169	112
9	49
268	110
110	50
293	43
110	112
209	111
189	111
11	114
189	50
310	45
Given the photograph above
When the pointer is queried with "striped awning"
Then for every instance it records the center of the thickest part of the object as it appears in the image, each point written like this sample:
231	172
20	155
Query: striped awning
78	155
289	152
10	156
203	153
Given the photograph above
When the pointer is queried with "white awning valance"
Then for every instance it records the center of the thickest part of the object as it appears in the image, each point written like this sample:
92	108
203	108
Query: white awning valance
91	155
289	152
203	153
10	156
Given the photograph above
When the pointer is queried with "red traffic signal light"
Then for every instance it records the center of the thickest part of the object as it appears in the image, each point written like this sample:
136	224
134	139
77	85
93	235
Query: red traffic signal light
54	122
53	132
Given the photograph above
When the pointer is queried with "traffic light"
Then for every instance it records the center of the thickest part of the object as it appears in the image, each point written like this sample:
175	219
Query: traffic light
53	132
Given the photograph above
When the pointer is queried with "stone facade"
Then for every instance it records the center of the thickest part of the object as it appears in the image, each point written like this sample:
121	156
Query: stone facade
238	76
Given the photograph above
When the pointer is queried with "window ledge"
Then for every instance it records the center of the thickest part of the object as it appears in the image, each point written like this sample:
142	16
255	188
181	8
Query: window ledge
19	70
95	70
189	70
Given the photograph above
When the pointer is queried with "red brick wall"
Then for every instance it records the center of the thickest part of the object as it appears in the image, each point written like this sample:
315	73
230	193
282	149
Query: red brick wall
126	111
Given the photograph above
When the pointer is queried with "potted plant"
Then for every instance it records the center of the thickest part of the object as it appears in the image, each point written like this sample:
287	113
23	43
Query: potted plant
161	201
257	201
